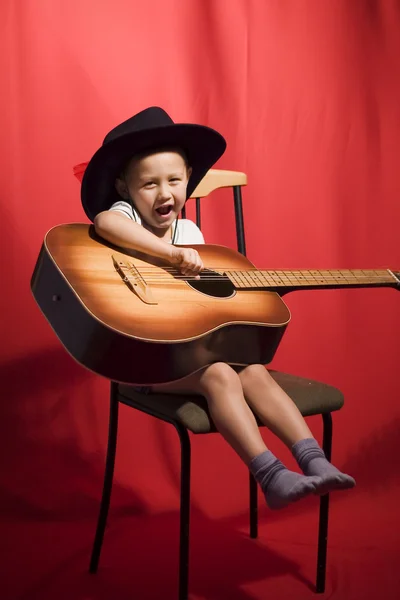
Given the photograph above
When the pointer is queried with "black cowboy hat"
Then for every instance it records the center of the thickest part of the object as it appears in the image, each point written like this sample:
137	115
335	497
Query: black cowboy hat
151	128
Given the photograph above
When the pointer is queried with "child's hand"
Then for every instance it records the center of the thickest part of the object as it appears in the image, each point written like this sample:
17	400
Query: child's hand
188	261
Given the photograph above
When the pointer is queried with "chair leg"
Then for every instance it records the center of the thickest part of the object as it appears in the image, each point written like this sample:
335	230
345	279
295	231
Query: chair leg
184	512
324	510
253	489
108	478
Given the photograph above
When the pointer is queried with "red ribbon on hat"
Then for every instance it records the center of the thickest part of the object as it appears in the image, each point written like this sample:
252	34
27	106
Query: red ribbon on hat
79	170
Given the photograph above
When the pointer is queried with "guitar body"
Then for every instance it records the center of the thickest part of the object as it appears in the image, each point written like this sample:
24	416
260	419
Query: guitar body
165	332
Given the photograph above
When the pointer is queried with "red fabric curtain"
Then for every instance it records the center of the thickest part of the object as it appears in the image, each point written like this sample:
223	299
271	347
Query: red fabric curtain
307	95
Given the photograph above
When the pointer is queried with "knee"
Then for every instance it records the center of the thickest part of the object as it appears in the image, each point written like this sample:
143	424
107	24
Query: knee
256	373
220	375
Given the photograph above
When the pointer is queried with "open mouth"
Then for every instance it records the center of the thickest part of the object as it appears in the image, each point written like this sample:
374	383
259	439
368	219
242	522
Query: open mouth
164	211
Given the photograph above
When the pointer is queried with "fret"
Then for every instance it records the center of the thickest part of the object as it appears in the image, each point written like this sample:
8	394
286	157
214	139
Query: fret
248	279
284	277
292	278
336	277
348	276
239	279
234	278
275	278
309	276
259	279
288	278
357	273
242	284
270	278
254	277
297	278
300	277
318	276
242	276
231	275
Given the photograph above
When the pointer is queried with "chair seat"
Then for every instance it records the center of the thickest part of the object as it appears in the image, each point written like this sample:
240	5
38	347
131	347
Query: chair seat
311	398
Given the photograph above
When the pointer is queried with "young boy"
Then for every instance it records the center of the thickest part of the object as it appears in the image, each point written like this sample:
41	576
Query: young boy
133	189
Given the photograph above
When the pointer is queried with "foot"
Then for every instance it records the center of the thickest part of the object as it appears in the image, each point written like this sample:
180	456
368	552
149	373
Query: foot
279	485
313	463
331	479
287	487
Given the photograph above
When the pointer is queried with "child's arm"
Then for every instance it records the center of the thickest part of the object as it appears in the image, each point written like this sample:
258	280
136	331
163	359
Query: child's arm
122	231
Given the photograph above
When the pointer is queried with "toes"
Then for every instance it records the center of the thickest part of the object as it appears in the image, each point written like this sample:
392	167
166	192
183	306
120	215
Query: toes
333	483
315	481
305	488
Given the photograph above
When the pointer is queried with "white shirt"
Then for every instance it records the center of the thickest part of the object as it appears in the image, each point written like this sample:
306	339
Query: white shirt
187	232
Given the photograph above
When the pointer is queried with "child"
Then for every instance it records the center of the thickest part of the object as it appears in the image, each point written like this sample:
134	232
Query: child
133	189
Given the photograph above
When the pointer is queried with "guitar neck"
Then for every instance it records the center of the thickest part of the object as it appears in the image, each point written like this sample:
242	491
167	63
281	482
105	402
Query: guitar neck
310	280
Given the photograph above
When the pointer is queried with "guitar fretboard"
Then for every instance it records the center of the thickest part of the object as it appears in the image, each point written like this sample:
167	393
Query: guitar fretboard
254	279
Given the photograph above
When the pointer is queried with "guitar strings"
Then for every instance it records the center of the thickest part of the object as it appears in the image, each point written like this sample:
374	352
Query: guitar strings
373	272
266	273
302	277
221	277
290	279
158	274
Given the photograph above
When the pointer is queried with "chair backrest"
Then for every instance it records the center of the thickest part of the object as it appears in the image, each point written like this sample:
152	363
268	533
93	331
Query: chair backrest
216	179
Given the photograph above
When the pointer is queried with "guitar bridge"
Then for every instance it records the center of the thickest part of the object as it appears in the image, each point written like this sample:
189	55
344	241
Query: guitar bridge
133	279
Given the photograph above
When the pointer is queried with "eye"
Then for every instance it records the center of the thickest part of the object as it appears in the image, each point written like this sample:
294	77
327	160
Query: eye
149	184
175	179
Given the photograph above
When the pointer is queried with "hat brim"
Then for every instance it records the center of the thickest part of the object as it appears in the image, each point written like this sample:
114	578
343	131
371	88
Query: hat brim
202	145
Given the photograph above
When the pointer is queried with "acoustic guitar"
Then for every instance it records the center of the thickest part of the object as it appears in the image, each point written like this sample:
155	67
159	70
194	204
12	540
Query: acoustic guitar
135	320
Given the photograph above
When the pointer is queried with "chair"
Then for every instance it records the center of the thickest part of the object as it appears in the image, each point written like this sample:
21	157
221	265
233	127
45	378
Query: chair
190	414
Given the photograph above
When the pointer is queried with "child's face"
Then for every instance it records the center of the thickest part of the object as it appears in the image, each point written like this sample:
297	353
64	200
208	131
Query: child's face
157	185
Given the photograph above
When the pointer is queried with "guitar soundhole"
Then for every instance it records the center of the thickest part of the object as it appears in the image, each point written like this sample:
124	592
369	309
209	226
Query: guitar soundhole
212	284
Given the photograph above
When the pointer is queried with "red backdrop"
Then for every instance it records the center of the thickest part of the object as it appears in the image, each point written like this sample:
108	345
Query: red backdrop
307	95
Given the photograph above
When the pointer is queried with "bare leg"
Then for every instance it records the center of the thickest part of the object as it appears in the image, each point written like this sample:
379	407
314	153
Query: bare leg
279	413
221	387
273	406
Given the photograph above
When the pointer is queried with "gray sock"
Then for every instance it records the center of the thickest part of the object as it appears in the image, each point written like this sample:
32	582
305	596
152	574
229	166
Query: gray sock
280	486
312	461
